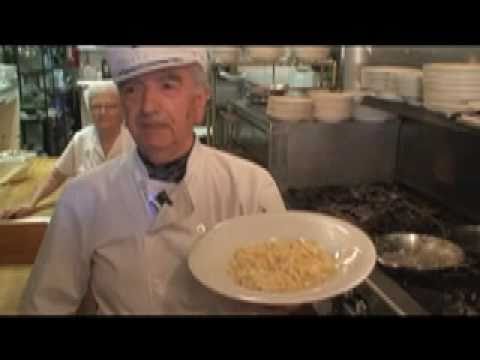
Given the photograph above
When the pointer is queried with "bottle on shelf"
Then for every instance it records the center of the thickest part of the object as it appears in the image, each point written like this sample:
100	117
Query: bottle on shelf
105	70
89	71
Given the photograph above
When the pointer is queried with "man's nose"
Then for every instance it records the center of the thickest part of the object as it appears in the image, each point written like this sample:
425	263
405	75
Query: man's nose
151	100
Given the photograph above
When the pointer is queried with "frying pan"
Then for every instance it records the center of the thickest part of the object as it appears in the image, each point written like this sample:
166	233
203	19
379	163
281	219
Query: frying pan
418	252
468	237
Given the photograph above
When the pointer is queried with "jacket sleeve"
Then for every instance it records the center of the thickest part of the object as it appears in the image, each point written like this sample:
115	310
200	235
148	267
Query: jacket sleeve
66	164
60	274
269	197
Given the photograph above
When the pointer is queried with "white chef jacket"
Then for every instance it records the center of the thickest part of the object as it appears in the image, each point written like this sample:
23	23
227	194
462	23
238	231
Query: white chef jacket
103	238
84	152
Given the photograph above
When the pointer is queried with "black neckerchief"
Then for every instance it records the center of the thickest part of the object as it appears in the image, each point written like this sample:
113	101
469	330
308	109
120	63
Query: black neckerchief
173	171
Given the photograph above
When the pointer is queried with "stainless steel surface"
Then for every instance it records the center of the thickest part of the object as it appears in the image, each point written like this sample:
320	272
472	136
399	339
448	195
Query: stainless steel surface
353	59
435	157
468	237
246	130
379	295
418	252
312	153
420	54
438	160
278	89
224	92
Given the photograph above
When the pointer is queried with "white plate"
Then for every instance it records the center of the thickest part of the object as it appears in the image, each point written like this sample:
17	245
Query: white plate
389	97
452	77
451	86
445	108
454	97
474	105
469	120
354	252
389	69
449	67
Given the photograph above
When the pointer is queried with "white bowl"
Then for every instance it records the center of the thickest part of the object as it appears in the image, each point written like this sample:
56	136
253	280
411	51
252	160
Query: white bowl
309	55
226	55
391	79
332	107
452	67
313	93
453	76
460	99
469	120
447	108
332	117
352	249
265	54
289	108
474	105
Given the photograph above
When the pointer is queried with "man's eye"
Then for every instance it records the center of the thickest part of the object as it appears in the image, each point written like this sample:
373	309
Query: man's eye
169	85
129	89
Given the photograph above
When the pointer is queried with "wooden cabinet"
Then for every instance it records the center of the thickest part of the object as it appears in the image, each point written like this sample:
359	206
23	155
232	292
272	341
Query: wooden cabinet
19	244
20	240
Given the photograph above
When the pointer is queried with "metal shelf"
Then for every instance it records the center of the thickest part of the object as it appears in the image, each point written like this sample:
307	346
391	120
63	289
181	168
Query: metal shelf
39	73
419	113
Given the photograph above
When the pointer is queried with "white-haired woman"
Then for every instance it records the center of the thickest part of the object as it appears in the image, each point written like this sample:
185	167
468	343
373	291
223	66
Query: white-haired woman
91	146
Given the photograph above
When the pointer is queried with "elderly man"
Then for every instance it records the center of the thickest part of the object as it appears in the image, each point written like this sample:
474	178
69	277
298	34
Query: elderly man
123	232
89	147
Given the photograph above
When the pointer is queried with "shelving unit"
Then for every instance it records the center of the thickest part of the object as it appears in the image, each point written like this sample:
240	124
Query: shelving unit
47	102
9	108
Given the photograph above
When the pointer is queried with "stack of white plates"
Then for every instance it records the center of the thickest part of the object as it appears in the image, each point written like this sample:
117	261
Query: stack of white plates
226	55
290	108
265	54
409	84
392	81
310	55
474	105
332	107
470	120
448	87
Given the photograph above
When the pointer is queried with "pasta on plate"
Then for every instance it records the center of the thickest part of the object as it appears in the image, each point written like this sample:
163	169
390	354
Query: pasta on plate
281	265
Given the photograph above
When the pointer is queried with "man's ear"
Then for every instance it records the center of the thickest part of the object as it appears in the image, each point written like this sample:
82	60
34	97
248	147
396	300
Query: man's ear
200	106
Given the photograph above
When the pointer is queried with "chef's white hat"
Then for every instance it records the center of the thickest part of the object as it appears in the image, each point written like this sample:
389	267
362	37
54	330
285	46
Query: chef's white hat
128	62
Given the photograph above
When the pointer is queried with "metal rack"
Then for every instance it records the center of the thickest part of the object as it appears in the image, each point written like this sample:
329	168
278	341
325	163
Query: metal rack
9	108
46	97
216	129
324	77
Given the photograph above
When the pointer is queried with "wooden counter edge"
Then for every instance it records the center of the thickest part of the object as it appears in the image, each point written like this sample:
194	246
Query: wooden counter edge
20	239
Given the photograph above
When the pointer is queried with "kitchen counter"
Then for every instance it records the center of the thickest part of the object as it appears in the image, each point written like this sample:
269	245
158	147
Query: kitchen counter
20	239
15	194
